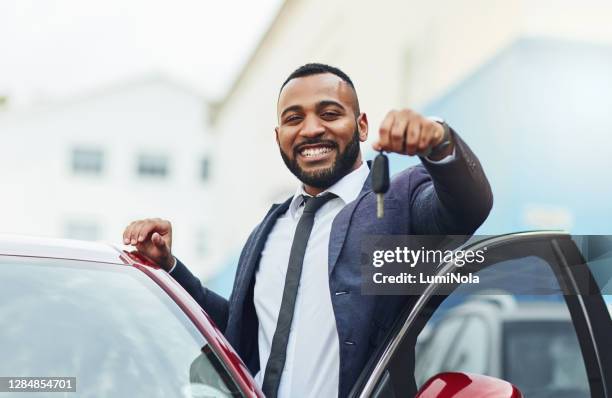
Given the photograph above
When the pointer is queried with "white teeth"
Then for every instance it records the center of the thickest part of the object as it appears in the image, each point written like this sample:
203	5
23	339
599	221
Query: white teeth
315	151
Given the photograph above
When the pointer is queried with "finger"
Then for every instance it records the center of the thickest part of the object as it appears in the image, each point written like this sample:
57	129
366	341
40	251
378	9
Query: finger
385	130
158	240
427	137
136	232
398	133
130	232
145	231
413	136
126	231
162	226
438	133
155	225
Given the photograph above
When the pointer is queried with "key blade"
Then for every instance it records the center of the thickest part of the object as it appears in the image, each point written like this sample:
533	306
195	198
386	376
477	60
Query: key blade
380	205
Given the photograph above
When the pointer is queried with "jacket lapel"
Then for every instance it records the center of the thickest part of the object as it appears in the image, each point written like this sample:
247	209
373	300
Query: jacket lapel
342	221
339	230
257	245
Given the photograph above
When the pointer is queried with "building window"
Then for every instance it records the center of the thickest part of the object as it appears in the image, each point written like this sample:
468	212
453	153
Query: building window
201	243
87	161
83	230
152	166
205	169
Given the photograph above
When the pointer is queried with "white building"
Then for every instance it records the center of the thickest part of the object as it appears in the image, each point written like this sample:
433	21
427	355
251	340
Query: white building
86	167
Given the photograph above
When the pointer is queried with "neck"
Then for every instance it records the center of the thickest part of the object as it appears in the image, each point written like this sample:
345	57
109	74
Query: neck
314	191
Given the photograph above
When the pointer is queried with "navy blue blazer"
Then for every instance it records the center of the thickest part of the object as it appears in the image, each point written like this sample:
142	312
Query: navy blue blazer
448	198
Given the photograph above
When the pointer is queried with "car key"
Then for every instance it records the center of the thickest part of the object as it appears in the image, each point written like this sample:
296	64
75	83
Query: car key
380	181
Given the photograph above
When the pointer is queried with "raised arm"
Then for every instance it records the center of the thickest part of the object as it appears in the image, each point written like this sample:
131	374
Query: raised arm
449	193
450	197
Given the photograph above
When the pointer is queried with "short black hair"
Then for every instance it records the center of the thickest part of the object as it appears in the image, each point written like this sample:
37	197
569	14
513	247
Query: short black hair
317	69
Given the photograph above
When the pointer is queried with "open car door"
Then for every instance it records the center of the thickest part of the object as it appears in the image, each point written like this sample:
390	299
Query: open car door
536	319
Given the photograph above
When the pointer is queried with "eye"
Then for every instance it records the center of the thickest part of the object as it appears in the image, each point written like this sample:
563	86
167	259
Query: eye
292	119
329	115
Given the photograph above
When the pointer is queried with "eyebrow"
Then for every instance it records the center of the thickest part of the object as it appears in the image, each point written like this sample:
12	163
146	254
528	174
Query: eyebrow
326	103
291	109
319	106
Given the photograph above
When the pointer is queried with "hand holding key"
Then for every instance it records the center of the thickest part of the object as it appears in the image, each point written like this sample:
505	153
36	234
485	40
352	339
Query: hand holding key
405	132
409	133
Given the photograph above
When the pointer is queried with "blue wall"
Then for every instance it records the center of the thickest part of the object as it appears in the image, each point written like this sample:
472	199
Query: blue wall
538	118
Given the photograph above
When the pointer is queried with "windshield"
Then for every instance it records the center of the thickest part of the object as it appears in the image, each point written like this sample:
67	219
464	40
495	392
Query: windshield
110	326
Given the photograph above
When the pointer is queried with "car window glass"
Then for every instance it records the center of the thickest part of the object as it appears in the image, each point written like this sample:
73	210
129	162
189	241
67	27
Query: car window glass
469	353
110	326
597	251
551	350
527	339
434	349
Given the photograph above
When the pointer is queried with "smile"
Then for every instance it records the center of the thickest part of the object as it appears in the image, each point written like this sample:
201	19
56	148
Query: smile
315	152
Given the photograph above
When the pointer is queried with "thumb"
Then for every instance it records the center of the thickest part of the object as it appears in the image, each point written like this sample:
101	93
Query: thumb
158	240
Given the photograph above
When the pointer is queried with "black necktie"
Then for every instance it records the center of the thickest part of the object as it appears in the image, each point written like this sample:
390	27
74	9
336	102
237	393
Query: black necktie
278	351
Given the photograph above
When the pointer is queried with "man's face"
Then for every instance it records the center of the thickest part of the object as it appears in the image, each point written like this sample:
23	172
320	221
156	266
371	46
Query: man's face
318	133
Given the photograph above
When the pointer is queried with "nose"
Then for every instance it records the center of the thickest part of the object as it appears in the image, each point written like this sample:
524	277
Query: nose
312	127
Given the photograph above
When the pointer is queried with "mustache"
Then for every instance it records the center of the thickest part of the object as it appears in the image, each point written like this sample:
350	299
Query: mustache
314	141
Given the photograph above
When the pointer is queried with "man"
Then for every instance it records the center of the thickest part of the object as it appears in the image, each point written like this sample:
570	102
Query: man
296	315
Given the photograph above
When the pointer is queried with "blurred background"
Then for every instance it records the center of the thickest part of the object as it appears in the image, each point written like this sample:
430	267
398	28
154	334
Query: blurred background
118	110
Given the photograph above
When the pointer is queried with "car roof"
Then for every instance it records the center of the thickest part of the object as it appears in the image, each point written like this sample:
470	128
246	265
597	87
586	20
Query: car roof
538	311
508	309
30	246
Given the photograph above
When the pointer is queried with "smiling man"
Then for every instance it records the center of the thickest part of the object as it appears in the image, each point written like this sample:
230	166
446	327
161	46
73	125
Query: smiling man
316	159
296	315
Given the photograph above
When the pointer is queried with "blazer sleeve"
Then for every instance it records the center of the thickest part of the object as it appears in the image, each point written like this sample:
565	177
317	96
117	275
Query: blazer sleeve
215	306
451	197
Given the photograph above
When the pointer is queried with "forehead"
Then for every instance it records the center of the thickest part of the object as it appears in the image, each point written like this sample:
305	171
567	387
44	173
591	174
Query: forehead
307	91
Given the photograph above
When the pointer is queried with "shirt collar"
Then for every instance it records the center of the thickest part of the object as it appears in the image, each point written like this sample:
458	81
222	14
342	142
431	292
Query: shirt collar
347	189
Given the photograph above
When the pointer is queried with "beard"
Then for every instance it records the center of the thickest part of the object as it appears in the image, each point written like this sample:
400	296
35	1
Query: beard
325	178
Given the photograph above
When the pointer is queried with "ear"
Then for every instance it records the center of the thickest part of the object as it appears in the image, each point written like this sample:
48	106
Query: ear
276	134
362	126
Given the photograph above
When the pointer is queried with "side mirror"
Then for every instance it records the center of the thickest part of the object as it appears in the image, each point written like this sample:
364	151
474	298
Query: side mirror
467	385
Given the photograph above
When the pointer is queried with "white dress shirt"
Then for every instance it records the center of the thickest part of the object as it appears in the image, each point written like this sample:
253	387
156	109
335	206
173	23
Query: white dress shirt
312	363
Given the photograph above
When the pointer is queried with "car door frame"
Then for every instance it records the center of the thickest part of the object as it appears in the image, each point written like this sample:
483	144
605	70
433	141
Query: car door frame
587	309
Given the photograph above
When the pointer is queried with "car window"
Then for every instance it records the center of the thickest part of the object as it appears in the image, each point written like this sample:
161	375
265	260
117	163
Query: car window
110	326
597	251
527	337
469	353
543	356
435	349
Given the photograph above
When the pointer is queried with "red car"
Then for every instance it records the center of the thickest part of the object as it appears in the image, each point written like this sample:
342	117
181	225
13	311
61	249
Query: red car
122	327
